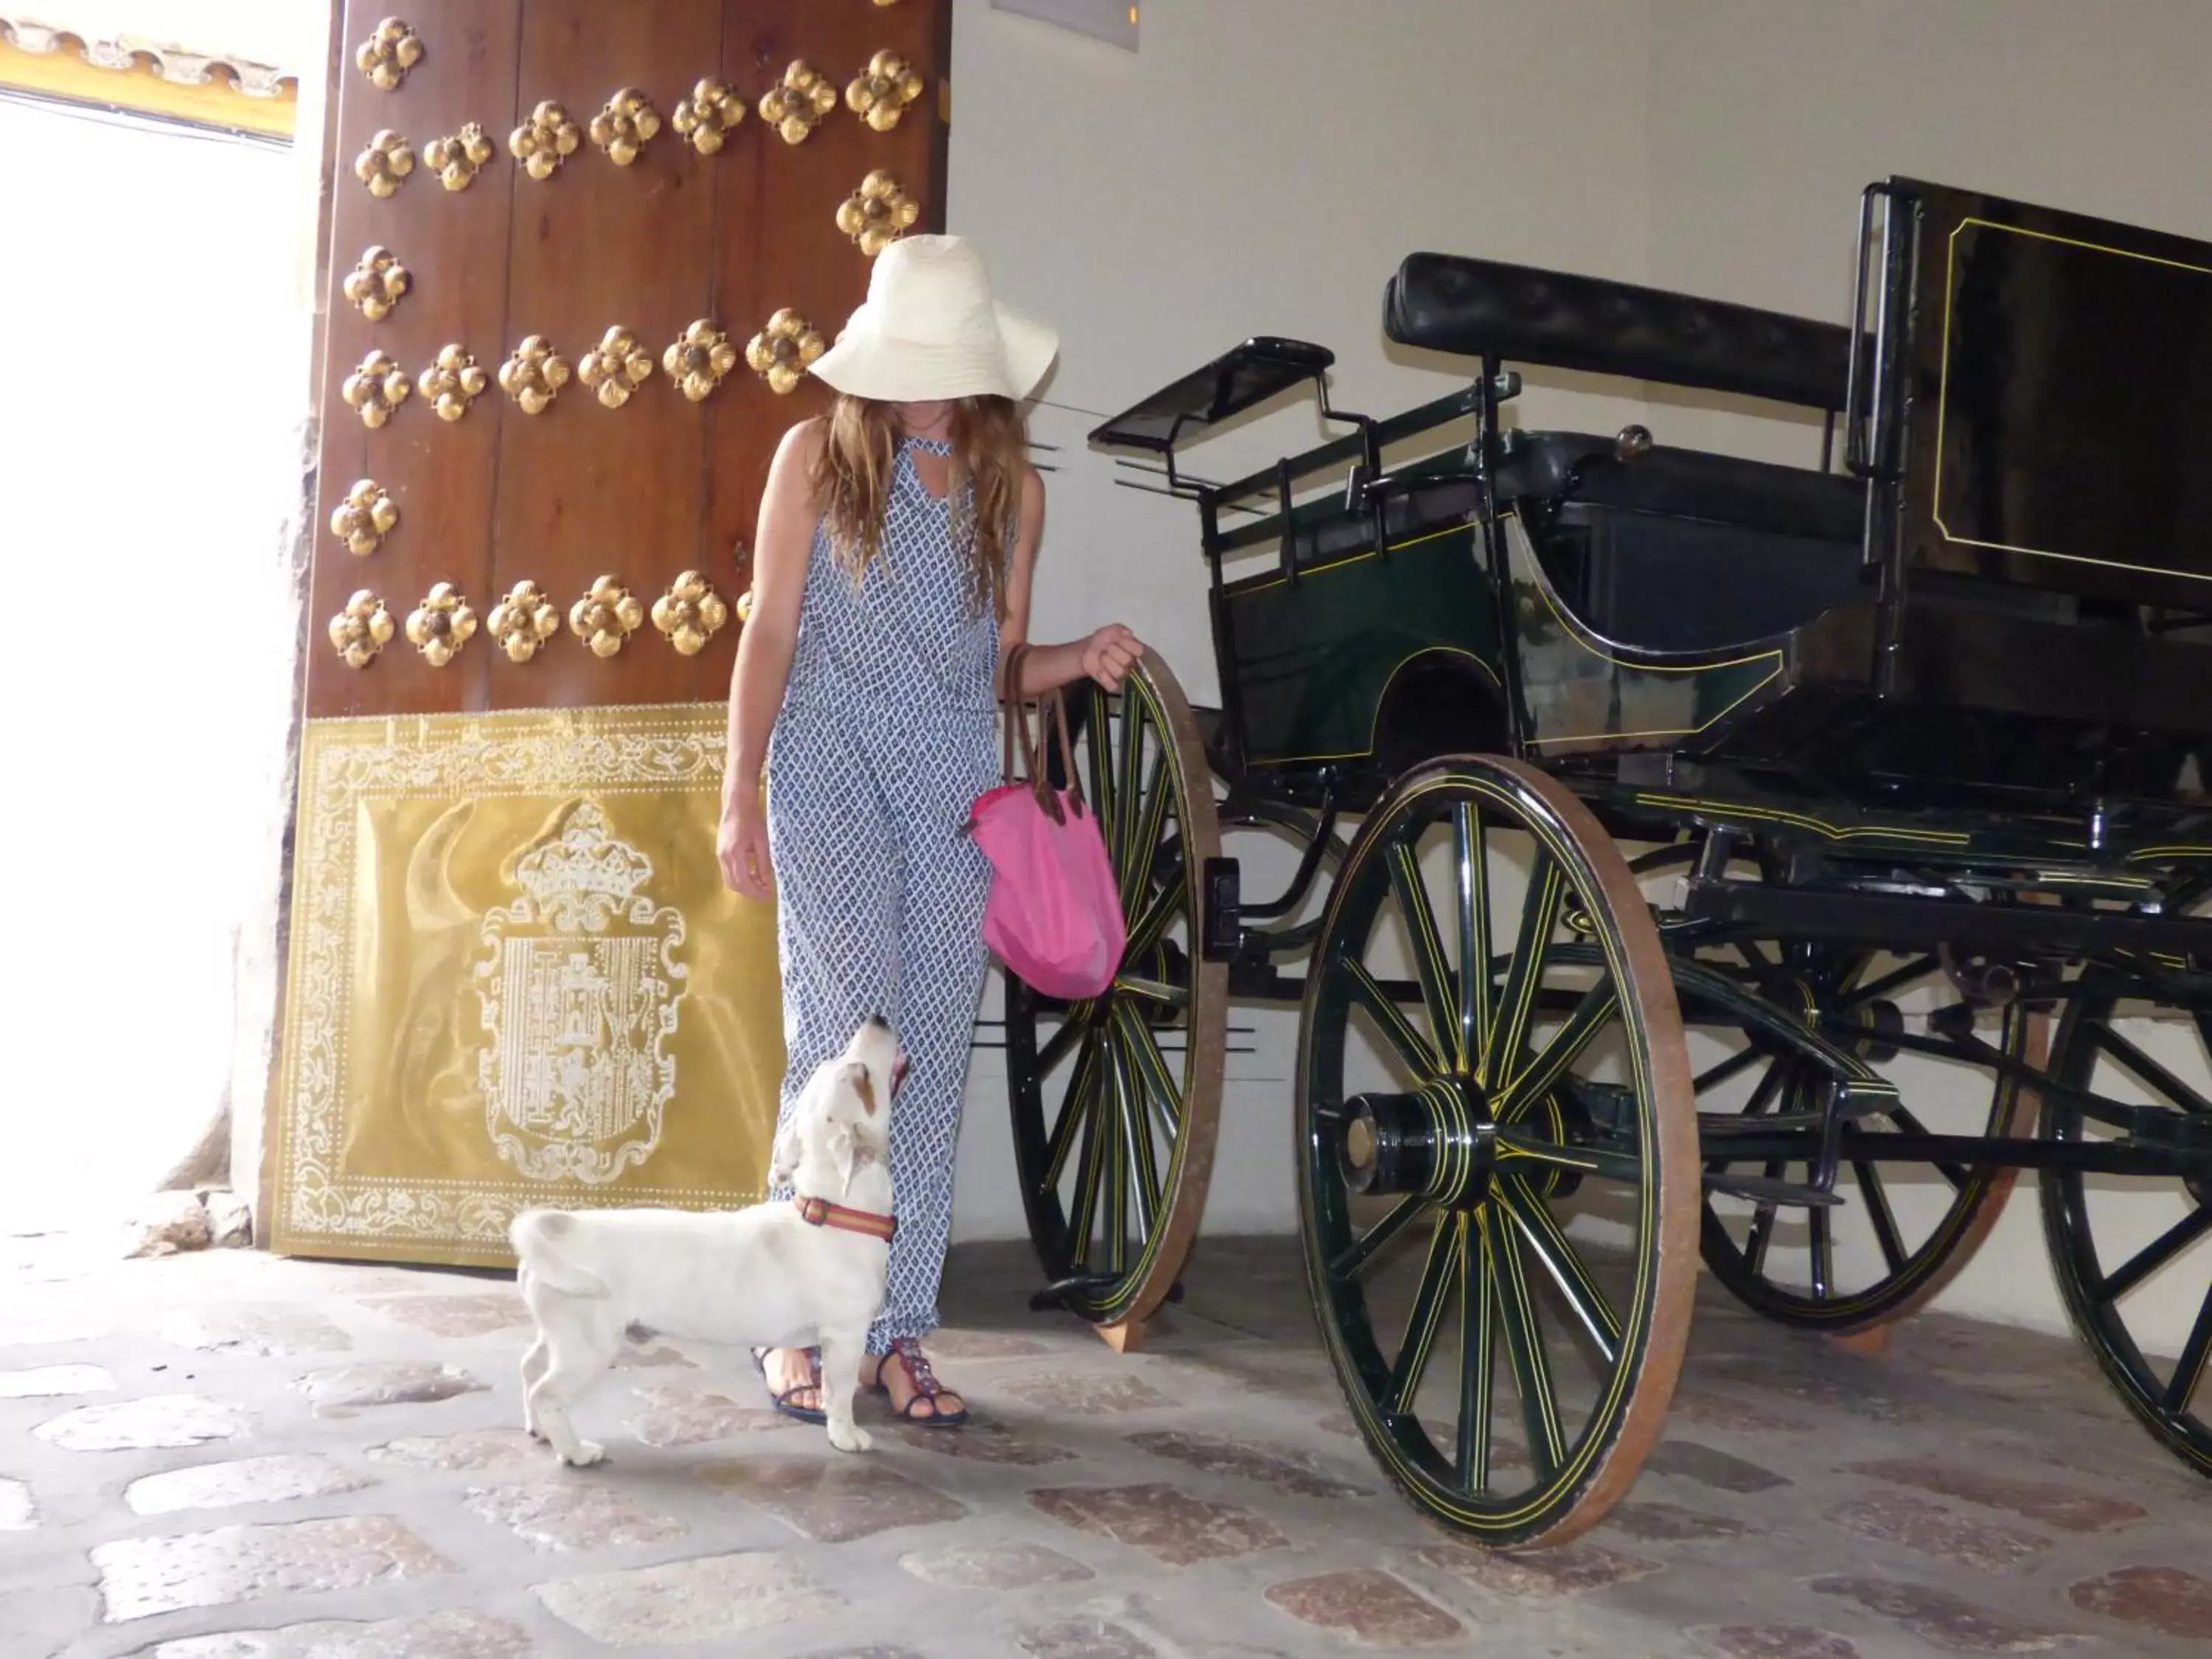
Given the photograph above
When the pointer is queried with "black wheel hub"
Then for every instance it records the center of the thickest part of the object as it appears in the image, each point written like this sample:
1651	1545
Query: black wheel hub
1439	1141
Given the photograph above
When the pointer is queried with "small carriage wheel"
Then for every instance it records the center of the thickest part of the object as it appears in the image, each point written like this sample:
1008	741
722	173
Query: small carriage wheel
1117	1101
1808	1014
1515	1067
2154	1241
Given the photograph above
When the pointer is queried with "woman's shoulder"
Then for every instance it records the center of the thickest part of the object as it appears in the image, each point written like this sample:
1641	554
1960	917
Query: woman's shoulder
805	441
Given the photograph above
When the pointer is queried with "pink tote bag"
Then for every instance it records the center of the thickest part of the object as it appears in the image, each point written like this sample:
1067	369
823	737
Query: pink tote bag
1054	917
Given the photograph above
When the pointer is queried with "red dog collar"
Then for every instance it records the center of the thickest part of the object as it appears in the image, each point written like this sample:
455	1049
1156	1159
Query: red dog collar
821	1212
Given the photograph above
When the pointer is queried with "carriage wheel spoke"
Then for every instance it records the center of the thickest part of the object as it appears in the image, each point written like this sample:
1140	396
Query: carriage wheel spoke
1149	923
1879	1212
1071	1032
1100	764
1153	990
1516	1145
1911	1125
1537	1079
1919	969
1721	1071
1137	1136
1533	1220
1113	1164
1478	1315
1088	1171
2155	1254
2190	1371
1081	1095
1517	1004
1471	899
1396	1028
1355	1256
1430	964
1151	1070
2149	1070
1421	1324
1524	1343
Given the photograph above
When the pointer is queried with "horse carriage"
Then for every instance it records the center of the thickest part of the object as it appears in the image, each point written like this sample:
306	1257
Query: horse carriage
1694	855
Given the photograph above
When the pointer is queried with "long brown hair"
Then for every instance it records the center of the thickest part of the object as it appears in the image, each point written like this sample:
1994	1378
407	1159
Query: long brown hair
852	484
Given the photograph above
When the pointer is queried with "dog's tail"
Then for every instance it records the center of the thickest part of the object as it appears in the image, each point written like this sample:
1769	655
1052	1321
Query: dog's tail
536	1235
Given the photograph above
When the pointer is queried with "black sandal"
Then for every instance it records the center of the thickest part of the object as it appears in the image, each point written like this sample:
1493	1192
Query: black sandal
911	1359
783	1401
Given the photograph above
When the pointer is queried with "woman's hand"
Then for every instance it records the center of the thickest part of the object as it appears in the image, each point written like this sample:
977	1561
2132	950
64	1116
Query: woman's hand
741	848
1108	654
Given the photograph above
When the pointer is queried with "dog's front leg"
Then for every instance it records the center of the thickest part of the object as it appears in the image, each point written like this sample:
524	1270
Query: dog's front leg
533	1367
841	1353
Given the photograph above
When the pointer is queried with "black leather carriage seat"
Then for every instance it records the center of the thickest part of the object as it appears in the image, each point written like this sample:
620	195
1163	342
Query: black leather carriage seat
1679	549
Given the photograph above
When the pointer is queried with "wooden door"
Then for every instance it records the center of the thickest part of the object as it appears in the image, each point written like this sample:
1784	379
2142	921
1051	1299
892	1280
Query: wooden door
535	201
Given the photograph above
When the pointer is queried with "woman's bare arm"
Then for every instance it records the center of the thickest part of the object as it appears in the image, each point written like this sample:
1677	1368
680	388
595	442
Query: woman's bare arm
782	546
1103	655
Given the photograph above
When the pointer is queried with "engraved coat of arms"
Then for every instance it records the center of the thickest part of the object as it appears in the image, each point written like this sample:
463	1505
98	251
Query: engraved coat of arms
579	991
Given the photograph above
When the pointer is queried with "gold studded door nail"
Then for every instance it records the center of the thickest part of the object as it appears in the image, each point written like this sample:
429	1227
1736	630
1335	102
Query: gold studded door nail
362	629
533	374
878	213
441	625
605	617
615	368
453	383
548	138
388	53
377	283
457	159
697	361
375	389
881	92
709	115
795	107
690	613
523	621
625	126
365	518
780	352
388	159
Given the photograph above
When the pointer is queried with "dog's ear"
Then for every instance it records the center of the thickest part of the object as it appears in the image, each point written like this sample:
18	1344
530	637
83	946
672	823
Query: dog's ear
783	1162
842	1153
865	1086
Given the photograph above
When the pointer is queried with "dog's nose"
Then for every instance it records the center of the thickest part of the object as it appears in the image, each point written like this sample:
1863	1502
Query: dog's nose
879	1023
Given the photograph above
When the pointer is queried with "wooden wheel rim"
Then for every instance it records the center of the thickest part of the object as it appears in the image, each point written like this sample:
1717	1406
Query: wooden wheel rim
1603	1461
1181	788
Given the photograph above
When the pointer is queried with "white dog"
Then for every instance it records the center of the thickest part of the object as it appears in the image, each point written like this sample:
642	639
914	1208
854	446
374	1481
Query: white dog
806	1273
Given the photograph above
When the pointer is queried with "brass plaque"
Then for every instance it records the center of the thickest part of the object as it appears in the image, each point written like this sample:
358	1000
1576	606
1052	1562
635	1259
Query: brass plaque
516	978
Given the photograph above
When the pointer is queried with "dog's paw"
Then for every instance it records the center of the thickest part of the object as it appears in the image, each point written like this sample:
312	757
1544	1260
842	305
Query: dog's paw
851	1437
587	1452
534	1432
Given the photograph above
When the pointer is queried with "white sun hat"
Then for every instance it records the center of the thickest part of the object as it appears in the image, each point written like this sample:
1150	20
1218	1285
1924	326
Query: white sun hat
930	329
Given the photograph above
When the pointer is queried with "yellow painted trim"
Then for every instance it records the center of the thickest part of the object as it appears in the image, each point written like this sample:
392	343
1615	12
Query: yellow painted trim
64	75
1943	398
1261	584
1803	821
1389	680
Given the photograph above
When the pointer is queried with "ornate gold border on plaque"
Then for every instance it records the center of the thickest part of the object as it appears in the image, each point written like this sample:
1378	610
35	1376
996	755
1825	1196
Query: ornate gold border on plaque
516	979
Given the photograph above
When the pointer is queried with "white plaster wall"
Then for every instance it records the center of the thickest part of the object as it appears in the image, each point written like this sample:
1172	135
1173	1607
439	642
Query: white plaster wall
1261	165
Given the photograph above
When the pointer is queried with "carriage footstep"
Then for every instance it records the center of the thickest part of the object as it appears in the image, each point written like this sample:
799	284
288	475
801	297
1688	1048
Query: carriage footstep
1760	1190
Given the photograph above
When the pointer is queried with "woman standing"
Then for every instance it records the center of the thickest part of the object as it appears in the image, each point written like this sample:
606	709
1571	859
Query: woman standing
891	575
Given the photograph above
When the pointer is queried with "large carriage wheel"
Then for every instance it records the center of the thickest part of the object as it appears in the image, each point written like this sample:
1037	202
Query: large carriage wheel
1465	1067
2121	1246
1782	1022
1117	1101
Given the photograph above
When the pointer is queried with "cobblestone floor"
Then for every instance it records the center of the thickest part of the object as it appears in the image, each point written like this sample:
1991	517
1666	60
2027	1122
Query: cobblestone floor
228	1456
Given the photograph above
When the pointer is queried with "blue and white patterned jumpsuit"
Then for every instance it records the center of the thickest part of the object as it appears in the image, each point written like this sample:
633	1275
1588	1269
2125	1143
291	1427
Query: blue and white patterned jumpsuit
886	738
